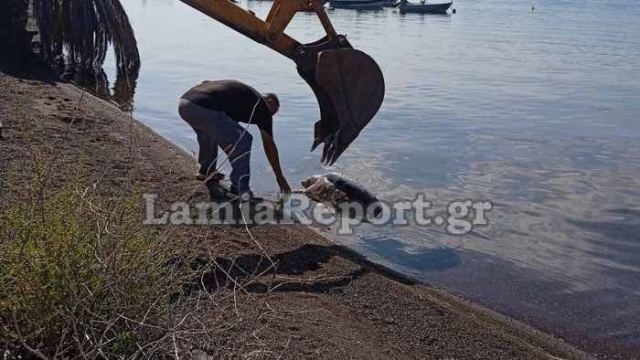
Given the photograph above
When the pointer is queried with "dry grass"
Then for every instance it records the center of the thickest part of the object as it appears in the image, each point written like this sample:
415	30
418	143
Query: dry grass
81	278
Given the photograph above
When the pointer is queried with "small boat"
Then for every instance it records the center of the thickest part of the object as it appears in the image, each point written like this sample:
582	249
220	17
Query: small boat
390	3
358	4
423	8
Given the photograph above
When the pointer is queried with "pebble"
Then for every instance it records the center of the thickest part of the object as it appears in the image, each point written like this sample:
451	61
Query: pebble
200	355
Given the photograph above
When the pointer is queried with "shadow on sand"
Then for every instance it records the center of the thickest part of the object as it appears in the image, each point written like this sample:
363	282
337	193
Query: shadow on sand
258	274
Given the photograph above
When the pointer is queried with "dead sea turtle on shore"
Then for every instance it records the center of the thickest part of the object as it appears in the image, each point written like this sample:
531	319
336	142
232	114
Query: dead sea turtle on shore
340	192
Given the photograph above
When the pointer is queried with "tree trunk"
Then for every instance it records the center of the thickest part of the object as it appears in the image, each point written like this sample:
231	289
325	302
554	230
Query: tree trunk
15	41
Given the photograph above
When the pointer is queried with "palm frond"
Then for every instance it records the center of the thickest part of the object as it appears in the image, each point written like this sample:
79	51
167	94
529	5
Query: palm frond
82	30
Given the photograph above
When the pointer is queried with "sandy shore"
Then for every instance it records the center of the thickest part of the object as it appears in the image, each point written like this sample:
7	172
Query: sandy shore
322	301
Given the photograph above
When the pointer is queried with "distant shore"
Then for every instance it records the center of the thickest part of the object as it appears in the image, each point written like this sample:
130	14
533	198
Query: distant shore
321	301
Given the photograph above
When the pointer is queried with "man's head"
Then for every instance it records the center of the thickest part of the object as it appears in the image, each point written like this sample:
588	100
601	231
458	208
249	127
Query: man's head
272	102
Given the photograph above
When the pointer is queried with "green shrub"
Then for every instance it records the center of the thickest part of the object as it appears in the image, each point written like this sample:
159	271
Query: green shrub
81	276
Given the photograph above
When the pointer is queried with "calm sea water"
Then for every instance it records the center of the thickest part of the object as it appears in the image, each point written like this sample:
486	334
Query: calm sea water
538	112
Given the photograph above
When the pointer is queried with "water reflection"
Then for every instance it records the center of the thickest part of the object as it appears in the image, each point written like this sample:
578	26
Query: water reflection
420	259
122	92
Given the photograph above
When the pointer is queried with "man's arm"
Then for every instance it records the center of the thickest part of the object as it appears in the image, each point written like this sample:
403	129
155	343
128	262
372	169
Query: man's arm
271	151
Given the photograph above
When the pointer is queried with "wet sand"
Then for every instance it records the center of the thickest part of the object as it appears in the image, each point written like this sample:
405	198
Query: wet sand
322	301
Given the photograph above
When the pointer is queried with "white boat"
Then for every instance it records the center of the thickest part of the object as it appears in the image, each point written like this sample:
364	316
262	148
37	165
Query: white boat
359	4
423	8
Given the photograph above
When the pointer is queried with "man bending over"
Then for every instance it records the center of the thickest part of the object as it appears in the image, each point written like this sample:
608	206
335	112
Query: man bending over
214	110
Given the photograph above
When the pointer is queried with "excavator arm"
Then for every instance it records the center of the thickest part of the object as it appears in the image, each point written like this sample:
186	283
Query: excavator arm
347	83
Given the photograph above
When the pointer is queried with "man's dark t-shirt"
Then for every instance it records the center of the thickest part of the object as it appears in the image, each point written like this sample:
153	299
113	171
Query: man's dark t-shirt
235	99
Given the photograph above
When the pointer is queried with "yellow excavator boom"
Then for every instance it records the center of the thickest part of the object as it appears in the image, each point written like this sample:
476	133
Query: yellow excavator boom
348	83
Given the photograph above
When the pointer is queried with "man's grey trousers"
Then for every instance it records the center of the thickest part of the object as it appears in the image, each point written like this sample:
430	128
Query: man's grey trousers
216	128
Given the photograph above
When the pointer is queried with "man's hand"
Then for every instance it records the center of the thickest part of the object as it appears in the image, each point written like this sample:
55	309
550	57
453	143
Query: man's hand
284	186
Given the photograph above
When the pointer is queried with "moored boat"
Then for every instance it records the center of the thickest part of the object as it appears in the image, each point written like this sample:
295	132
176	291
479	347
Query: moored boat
359	4
423	8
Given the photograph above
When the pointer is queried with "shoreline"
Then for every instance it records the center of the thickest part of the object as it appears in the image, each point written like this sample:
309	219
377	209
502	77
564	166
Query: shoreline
331	302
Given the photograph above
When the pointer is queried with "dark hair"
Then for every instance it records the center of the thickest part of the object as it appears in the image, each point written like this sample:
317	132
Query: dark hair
273	97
